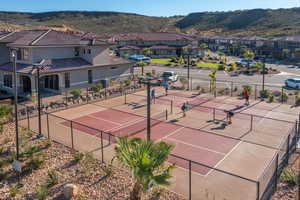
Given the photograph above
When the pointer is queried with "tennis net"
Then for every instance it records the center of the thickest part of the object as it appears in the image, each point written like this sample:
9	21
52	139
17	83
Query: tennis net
139	126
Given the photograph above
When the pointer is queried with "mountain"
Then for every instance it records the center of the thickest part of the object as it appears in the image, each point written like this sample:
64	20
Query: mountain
98	22
260	22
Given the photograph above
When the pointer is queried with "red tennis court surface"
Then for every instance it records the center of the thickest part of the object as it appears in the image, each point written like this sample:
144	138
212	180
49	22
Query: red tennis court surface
198	146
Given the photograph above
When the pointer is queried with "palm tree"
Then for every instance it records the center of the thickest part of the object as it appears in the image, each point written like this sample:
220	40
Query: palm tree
285	52
146	51
203	47
249	55
142	64
213	80
146	162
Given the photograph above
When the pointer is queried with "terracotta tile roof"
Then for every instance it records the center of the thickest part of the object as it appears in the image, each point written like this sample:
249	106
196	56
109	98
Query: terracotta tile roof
162	47
154	36
129	48
65	64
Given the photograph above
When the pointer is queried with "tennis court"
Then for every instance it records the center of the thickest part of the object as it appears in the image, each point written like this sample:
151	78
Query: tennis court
228	162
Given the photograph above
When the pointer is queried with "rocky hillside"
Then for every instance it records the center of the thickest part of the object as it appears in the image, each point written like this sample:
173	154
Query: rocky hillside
262	22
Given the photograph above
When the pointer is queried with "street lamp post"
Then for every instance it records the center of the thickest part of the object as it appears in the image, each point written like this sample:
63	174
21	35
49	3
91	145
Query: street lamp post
38	67
263	80
14	56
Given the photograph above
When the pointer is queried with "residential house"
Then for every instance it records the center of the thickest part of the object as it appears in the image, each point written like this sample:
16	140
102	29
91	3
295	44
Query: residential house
161	44
69	60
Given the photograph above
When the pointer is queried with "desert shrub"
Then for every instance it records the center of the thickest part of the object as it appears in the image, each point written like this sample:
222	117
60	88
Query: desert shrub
42	192
289	176
284	97
78	156
173	60
97	88
296	93
127	82
52	179
34	163
271	98
28	152
149	74
76	93
221	67
14	190
264	93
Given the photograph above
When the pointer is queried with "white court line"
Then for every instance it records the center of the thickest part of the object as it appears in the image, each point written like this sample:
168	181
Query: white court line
226	155
172	133
195	146
132	122
109	121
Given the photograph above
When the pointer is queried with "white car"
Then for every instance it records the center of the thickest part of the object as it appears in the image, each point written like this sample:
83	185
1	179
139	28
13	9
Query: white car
293	83
170	76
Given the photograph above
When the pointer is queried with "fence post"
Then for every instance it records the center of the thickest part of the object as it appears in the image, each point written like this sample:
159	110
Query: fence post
190	180
28	122
48	129
257	190
102	154
255	92
276	173
72	142
251	123
171	106
231	89
125	97
87	95
282	95
288	149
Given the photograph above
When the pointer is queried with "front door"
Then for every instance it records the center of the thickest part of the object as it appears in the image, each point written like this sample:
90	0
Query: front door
26	82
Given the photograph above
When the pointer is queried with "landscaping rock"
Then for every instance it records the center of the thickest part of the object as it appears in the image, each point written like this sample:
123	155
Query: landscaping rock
70	191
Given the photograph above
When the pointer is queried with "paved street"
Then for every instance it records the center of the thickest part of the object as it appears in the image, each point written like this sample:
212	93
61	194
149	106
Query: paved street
274	79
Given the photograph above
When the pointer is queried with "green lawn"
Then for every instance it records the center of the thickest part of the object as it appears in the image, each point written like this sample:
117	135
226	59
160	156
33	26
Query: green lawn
166	61
163	61
208	65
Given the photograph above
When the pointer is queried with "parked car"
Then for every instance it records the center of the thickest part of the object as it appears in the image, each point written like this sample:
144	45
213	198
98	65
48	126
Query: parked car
244	62
167	76
293	83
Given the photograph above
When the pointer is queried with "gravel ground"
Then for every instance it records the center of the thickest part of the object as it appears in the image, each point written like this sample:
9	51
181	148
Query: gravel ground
284	190
94	179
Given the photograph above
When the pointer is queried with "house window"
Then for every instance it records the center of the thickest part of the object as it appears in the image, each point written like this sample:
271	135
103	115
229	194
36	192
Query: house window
67	79
83	51
76	53
8	80
90	76
89	51
23	54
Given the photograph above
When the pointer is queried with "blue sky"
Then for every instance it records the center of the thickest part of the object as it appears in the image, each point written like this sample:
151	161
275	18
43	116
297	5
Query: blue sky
146	7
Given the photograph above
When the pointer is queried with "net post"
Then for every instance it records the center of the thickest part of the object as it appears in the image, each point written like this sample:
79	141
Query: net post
190	180
48	129
257	190
102	154
251	123
72	139
166	114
